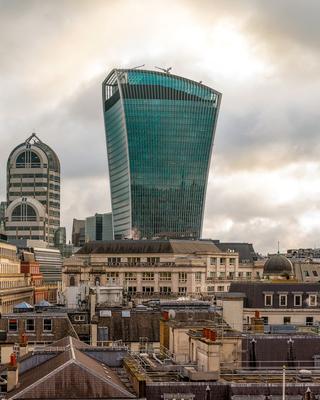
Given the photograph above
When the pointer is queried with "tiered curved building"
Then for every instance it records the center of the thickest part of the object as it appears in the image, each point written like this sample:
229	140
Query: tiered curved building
33	192
159	133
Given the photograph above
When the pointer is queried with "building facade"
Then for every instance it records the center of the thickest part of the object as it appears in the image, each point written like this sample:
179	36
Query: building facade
99	227
78	232
14	286
159	133
33	192
153	268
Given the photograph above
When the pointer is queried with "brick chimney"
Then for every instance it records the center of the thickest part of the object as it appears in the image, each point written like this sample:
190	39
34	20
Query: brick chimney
13	373
23	345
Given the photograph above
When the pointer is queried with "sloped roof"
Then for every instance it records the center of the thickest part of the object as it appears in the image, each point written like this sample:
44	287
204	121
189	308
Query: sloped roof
70	374
148	246
24	305
245	250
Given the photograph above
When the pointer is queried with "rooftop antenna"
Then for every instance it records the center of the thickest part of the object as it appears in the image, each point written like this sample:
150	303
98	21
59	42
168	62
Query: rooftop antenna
166	70
278	247
200	81
138	66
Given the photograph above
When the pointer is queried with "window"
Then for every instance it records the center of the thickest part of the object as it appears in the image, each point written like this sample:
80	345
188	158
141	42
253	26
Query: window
198	276
182	290
282	300
132	289
165	276
315	273
153	260
79	318
312	300
309	321
212	274
72	281
248	274
133	260
147	276
287	320
297	300
182	277
222	274
147	289
28	159
222	261
114	260
97	281
198	289
268	300
213	261
24	212
210	289
232	261
13	325
265	320
47	325
130	276
30	325
306	273
165	289
220	288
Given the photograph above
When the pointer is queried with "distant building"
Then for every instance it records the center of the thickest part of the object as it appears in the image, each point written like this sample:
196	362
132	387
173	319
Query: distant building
146	268
14	286
159	132
99	227
60	237
78	232
33	192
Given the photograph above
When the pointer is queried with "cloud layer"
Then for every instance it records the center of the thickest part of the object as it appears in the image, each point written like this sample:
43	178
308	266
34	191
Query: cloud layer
263	55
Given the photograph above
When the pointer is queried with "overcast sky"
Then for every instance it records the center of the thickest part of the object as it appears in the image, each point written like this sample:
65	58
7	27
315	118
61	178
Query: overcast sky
263	55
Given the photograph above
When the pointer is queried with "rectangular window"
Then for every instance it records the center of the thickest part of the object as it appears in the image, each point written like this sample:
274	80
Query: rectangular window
132	289
315	273
182	290
248	274
283	300
222	274
232	261
130	276
210	289
220	288
297	300
287	320
222	261
268	300
13	325
147	289
198	289
309	321
312	300
198	276
165	289
30	325
306	273
47	325
165	276
148	276
182	277
213	261
265	320
153	260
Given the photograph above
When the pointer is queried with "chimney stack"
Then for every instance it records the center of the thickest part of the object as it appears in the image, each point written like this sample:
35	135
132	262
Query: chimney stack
13	373
23	345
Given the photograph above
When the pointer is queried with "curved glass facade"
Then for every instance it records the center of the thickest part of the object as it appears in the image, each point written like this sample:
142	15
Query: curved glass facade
159	133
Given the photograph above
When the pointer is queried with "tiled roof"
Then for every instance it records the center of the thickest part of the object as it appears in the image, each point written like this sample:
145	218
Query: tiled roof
70	374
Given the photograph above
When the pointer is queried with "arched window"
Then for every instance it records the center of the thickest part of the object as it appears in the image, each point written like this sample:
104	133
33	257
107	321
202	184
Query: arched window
72	281
97	281
24	212
28	159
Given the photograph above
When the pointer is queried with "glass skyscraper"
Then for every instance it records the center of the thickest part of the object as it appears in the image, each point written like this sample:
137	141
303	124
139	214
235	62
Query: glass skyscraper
159	133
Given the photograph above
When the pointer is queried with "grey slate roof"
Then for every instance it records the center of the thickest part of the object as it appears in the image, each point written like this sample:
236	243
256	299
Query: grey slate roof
148	246
245	250
254	292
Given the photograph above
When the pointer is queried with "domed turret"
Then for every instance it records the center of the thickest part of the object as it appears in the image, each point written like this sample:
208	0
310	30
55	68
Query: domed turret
278	265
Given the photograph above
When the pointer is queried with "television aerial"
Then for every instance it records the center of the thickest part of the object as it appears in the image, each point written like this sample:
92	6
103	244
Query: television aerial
138	66
166	70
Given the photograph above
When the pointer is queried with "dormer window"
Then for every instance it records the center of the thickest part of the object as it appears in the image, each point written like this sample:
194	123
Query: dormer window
268	299
282	300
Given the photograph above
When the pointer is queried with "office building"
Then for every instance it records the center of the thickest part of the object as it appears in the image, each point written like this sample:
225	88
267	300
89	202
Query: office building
99	227
33	192
78	232
159	133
